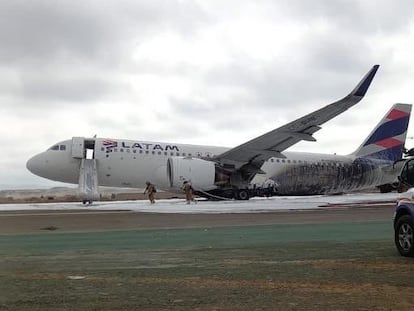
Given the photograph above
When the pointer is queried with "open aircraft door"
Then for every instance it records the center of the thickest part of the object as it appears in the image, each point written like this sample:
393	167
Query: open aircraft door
78	147
407	173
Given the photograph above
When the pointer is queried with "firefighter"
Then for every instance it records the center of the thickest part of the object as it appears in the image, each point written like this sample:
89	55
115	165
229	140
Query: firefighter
150	189
188	189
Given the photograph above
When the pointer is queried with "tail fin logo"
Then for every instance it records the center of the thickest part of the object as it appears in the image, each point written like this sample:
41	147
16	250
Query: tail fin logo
387	140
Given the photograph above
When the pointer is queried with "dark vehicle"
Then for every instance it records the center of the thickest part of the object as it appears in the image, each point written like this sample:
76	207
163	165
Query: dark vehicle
404	213
404	228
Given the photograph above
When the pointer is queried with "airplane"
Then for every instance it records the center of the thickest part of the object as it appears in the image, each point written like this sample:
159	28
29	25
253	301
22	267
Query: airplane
231	172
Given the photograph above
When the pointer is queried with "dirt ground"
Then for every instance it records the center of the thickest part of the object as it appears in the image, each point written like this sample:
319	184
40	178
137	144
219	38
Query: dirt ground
336	259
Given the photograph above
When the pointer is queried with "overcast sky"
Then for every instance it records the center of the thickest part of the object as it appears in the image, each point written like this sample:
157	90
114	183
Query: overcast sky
203	72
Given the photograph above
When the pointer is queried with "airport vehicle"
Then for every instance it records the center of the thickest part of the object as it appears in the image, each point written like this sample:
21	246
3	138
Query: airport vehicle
225	172
404	225
404	211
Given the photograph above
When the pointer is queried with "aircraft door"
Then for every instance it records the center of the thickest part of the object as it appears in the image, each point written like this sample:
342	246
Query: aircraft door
83	148
78	147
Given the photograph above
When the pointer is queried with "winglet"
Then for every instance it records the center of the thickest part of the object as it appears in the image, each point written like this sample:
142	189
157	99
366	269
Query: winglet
364	84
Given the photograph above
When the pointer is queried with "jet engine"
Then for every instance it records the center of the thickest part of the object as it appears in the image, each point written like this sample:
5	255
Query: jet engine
201	173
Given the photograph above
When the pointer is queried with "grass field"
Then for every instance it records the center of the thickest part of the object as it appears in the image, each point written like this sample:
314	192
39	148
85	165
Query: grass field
344	266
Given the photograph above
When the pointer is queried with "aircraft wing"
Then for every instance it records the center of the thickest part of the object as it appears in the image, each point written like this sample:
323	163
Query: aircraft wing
256	151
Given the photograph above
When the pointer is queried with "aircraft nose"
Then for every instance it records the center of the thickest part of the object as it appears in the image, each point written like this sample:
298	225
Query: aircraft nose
35	164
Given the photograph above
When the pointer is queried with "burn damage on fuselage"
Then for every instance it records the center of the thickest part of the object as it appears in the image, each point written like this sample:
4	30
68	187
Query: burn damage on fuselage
329	177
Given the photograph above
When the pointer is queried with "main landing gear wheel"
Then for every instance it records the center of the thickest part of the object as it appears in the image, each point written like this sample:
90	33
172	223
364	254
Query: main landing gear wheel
242	194
386	188
404	236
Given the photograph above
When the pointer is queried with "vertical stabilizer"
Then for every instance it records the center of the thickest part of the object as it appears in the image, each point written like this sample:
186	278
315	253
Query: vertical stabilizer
387	140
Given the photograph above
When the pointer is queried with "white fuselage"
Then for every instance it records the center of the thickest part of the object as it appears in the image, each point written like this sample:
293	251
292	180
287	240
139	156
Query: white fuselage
127	163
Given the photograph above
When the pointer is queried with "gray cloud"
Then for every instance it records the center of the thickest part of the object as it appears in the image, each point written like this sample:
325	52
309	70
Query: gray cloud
40	31
358	17
65	89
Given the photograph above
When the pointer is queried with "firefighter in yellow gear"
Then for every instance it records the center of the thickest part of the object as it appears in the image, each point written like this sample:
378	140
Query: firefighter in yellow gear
150	190
188	189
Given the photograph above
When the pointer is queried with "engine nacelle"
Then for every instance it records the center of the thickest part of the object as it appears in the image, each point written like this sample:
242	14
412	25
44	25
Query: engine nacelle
200	172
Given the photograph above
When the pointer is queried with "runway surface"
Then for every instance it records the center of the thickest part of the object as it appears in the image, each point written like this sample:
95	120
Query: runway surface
136	215
254	205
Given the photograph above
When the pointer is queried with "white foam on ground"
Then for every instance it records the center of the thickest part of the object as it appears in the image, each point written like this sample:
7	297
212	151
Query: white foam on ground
254	205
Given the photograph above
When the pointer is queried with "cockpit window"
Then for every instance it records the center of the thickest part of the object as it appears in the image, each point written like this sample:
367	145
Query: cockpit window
58	147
